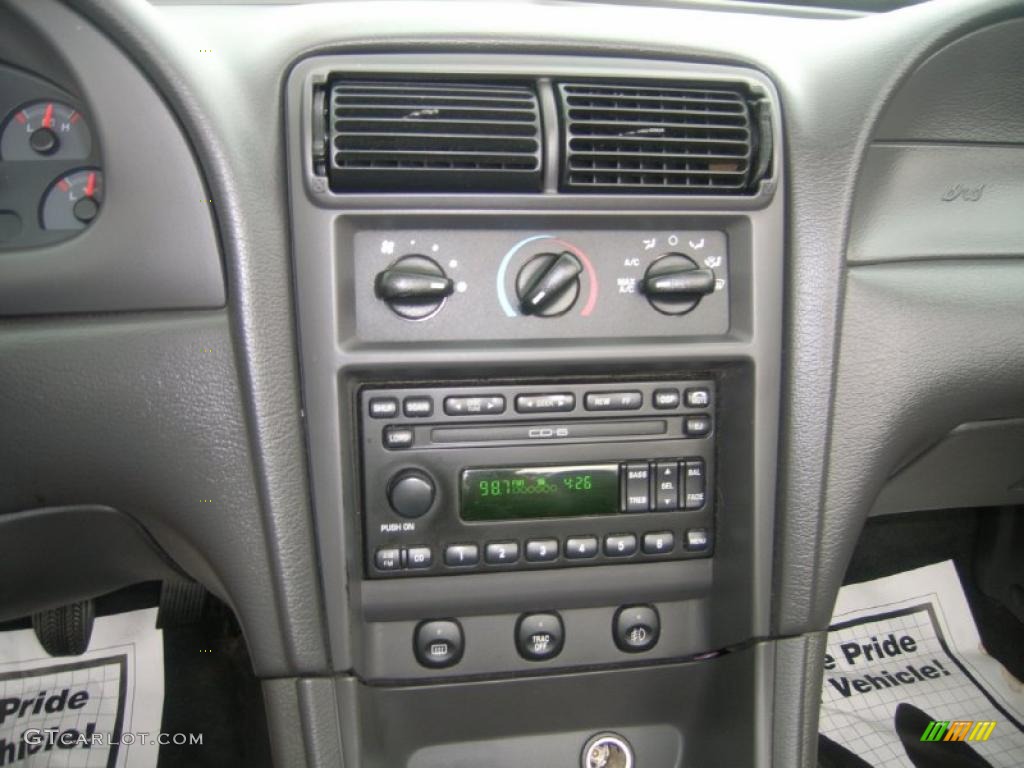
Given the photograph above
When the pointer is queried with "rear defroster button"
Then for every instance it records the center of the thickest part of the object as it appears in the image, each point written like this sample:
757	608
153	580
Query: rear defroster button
438	643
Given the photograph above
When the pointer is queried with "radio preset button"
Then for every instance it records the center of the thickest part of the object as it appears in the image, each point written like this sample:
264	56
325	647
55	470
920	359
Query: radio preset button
418	407
636	628
541	550
696	484
637	487
553	403
658	543
613	401
473	406
666	485
411	493
539	636
461	554
581	547
620	545
499	552
697	540
397	438
697	425
665	399
438	643
698	397
387	559
418	557
383	407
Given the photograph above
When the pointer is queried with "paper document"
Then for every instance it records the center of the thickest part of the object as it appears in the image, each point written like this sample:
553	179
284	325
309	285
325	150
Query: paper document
907	681
98	710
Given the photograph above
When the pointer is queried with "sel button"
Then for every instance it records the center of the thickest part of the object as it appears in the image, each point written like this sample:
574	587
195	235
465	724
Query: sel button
539	636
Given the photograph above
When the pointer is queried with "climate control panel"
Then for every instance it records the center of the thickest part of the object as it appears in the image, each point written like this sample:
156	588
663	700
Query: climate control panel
483	284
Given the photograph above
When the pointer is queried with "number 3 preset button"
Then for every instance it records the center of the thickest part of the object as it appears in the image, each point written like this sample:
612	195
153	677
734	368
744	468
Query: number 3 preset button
541	550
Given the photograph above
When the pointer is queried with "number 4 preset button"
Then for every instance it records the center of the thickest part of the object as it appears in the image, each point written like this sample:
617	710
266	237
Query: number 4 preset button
581	547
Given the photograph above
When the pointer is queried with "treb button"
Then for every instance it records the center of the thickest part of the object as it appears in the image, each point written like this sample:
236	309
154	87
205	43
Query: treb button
637	485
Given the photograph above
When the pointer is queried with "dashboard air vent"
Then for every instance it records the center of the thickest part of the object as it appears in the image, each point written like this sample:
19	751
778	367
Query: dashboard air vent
686	140
420	136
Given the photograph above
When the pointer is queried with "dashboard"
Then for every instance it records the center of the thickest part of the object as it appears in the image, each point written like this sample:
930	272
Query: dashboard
520	377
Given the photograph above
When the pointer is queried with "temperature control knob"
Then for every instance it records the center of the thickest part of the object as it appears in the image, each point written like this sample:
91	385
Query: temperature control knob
674	284
411	493
415	287
548	284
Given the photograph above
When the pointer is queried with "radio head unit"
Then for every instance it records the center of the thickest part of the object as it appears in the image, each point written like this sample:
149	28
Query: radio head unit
459	479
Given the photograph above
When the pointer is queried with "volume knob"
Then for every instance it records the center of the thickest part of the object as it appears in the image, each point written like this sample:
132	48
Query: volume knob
411	493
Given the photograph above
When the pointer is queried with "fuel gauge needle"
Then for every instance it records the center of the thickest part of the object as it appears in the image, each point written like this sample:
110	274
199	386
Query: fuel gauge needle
90	185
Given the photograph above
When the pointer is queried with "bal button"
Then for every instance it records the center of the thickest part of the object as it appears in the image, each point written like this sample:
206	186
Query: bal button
636	628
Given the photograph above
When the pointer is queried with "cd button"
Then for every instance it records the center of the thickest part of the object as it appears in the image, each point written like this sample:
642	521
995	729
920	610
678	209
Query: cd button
620	545
499	552
541	550
418	557
613	401
658	543
581	547
545	403
383	407
462	554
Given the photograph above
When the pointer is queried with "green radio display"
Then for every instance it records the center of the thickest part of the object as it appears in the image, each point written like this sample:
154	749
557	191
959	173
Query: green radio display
521	493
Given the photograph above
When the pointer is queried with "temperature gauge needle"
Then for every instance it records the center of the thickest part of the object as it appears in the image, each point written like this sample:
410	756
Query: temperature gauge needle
90	185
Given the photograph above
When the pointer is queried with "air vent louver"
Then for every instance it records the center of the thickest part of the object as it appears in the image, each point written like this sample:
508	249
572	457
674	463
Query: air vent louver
689	140
420	136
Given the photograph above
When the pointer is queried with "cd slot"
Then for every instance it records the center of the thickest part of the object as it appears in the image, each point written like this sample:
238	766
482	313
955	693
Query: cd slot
473	434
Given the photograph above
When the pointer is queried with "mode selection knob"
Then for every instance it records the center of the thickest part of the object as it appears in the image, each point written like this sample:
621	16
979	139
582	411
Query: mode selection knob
415	287
674	284
411	493
549	284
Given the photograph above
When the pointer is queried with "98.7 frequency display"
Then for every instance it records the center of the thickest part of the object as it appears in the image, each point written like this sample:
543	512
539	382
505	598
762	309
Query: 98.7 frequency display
516	493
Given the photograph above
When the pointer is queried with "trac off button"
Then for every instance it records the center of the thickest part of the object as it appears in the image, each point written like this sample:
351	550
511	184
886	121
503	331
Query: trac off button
539	636
636	628
438	643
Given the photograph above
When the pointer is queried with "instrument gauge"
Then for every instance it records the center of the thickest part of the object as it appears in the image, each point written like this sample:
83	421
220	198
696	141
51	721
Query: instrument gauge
73	200
45	130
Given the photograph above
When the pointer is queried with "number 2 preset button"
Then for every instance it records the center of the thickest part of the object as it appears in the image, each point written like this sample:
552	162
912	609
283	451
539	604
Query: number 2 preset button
499	552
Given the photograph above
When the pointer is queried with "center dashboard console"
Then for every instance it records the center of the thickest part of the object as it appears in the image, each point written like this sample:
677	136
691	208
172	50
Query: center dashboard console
541	379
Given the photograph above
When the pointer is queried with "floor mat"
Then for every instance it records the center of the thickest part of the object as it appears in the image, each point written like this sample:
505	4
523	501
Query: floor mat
908	683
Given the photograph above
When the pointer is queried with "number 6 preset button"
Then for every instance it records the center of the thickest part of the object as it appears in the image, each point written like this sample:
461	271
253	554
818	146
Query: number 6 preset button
499	552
